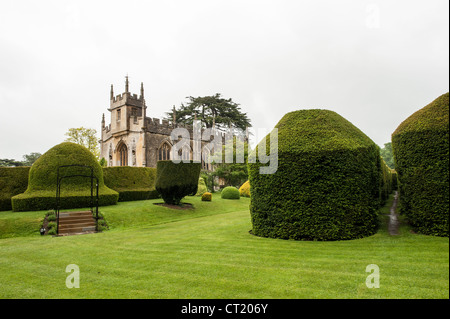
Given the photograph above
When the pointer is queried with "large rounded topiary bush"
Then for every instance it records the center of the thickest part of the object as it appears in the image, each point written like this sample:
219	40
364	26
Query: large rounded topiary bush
176	180
75	191
230	192
421	151
326	186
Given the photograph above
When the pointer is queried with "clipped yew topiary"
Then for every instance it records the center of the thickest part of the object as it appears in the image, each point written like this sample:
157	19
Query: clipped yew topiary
132	183
201	187
176	180
75	192
421	151
206	197
230	192
327	184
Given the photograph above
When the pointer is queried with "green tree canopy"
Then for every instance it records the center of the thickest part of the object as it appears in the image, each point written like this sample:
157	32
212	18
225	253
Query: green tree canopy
233	173
10	162
85	137
387	154
209	110
29	159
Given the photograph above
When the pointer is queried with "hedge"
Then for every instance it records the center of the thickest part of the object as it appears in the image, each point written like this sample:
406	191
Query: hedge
421	152
132	183
230	192
13	181
327	185
176	180
75	192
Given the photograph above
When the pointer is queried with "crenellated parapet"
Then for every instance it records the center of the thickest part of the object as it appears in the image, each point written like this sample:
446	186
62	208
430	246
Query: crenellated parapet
165	127
126	98
154	125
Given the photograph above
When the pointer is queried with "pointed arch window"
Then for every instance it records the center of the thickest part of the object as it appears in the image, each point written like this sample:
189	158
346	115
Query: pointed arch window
123	155
164	152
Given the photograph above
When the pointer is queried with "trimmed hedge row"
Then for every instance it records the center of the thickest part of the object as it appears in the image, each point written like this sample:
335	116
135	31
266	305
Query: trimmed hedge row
175	181
13	181
45	200
132	183
327	185
421	152
75	192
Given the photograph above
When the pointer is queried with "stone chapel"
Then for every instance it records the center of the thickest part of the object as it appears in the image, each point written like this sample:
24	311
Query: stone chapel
133	139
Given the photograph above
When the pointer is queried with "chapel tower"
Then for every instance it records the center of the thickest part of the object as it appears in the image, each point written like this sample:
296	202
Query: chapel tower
123	141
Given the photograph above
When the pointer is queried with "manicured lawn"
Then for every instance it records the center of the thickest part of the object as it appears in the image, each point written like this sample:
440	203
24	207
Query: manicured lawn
156	252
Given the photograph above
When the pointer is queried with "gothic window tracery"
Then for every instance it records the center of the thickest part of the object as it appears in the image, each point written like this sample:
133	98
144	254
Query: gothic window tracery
164	152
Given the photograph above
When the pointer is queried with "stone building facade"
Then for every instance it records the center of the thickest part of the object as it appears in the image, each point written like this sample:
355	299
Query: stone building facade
133	139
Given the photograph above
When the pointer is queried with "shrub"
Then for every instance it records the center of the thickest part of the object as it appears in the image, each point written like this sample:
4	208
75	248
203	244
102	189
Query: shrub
13	181
51	225
75	192
230	192
132	183
421	151
244	190
201	187
206	197
327	184
174	181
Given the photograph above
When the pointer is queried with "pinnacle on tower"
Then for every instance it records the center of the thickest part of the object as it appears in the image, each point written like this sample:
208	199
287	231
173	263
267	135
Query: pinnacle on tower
126	84
112	93
142	90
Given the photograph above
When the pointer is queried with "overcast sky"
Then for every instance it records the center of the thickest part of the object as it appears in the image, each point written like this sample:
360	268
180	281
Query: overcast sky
373	62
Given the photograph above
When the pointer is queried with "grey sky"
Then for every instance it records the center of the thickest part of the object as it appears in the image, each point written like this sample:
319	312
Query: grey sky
373	62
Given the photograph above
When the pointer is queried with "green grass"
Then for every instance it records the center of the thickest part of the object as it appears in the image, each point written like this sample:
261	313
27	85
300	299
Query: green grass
156	252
